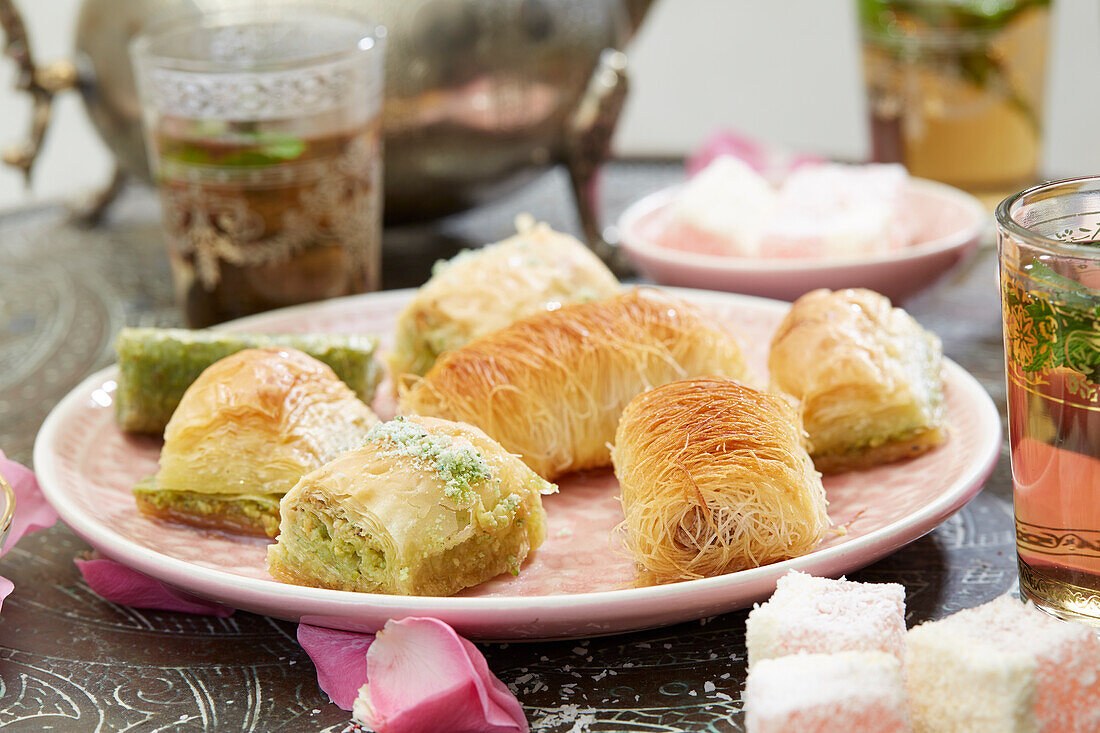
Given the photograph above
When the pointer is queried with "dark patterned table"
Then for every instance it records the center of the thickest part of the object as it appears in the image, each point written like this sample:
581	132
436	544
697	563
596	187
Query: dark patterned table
72	662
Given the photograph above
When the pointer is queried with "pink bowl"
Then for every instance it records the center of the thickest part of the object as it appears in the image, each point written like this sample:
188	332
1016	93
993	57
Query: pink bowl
949	222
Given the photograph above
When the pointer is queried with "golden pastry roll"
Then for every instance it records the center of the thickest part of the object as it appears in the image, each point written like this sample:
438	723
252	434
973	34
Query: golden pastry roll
483	290
715	479
245	431
869	378
423	507
551	387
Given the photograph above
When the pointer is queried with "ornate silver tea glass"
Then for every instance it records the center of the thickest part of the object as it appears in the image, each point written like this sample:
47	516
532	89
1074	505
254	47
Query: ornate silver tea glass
263	134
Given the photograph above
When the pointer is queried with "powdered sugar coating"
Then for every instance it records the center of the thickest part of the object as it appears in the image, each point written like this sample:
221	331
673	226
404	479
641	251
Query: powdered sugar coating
855	691
821	615
838	210
1004	666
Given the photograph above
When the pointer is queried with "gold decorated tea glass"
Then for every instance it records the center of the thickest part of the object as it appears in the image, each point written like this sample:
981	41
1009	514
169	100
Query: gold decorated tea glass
1049	246
7	509
263	133
955	89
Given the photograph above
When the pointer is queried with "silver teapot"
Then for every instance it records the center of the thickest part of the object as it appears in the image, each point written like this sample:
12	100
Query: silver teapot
480	94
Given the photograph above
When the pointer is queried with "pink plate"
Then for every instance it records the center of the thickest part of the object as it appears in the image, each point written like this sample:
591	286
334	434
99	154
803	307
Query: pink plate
576	584
949	222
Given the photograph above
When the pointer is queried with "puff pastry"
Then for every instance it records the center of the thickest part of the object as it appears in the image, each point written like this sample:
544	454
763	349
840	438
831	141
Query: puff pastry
481	291
424	507
715	479
245	431
551	387
867	375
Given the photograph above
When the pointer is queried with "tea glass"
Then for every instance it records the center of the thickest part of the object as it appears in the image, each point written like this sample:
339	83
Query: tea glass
1049	247
955	90
263	132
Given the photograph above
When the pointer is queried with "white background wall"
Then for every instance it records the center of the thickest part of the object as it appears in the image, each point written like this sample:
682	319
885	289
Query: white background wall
784	70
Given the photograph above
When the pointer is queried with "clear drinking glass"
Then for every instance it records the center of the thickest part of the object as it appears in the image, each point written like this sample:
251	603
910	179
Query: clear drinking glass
955	89
1049	244
263	132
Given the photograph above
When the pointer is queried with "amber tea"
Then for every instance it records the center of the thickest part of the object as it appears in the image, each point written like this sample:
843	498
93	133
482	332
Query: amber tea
955	89
1050	294
264	138
257	218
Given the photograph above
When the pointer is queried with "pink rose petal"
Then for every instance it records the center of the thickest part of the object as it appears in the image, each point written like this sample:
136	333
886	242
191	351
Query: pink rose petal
117	583
6	587
32	511
340	658
424	676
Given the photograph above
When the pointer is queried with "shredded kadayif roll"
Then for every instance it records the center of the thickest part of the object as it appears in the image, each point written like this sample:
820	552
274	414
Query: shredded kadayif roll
551	387
715	479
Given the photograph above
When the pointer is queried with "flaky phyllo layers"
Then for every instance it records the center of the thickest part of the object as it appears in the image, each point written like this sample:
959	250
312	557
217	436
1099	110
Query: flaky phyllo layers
423	507
551	387
245	431
867	375
483	290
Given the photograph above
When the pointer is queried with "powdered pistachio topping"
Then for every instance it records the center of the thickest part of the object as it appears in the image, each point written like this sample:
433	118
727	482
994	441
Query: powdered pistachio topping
459	467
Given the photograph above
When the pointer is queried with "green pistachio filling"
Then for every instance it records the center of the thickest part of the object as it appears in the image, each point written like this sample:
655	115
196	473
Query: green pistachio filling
247	509
459	467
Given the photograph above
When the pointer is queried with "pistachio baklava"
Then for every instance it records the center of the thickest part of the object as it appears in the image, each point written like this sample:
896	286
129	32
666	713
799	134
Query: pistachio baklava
245	431
423	507
868	377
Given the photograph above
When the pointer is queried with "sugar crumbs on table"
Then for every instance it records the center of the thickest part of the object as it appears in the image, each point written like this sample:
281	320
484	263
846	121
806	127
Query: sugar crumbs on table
556	718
